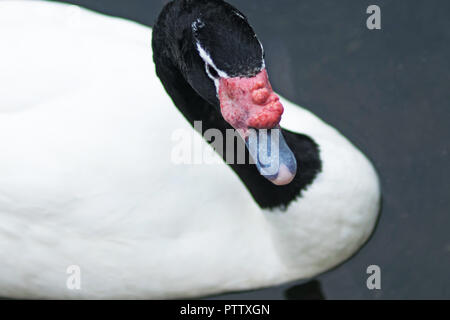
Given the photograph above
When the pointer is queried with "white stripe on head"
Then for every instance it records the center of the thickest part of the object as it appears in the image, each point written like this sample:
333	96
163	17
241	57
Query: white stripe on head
209	62
206	57
239	15
263	66
198	24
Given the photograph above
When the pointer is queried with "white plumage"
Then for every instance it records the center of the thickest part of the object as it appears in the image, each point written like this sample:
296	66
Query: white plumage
86	176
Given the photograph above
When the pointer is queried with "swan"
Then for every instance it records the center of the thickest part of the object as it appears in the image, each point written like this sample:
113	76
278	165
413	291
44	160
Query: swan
89	105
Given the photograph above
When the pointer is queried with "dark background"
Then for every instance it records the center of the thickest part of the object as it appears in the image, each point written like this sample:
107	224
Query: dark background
388	91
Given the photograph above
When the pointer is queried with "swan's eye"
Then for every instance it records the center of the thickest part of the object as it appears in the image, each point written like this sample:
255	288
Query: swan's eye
211	71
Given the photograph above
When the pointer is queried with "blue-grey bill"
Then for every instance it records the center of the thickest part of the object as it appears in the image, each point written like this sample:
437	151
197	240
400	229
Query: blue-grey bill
271	155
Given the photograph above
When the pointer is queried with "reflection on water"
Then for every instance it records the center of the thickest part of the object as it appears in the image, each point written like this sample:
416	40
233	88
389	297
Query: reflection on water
311	290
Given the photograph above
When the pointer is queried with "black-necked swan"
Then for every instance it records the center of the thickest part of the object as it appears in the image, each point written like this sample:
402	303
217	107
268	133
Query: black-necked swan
87	180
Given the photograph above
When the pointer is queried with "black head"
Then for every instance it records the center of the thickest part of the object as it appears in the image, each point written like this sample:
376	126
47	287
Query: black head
213	48
207	55
225	38
206	40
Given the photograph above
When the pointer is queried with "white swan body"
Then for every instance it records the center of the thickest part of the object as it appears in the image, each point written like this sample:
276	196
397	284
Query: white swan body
86	176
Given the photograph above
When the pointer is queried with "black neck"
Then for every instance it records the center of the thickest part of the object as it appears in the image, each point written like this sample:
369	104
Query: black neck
195	108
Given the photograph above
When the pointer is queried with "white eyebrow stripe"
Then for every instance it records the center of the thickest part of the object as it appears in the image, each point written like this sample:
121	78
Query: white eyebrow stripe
208	61
239	15
263	66
216	81
197	24
207	58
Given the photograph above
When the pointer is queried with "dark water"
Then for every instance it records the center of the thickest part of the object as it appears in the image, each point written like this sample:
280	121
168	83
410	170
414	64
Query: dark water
388	91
